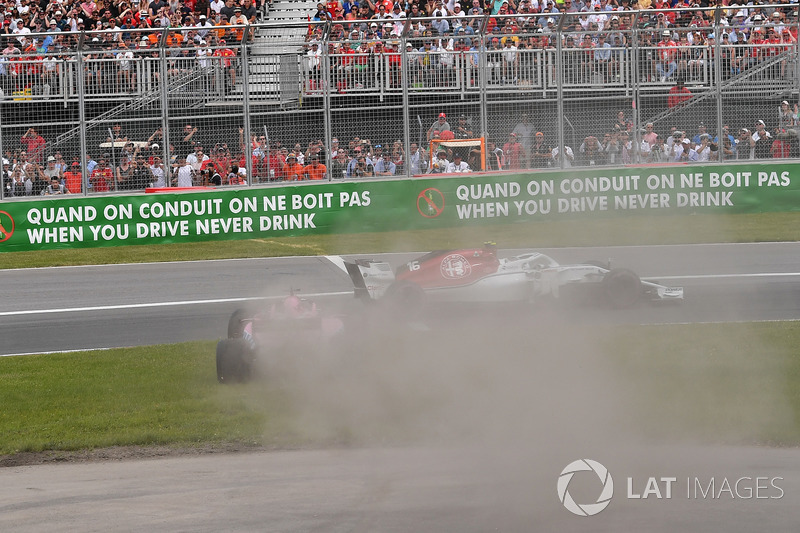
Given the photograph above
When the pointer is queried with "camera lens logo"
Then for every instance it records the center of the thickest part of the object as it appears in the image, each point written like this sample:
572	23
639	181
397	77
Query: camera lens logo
585	509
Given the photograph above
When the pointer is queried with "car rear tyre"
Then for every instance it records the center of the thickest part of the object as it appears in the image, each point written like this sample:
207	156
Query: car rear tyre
406	295
622	287
236	324
234	361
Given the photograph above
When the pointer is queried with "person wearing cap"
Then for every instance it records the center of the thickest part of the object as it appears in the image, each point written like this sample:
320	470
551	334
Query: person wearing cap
315	170
701	130
292	170
51	170
667	50
685	152
761	142
457	166
439	125
787	118
439	162
226	58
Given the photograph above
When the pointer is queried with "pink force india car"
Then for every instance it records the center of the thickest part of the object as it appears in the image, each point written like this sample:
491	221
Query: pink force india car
479	275
254	333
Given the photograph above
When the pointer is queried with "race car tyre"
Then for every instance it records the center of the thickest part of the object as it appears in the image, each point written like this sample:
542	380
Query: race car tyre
234	364
236	324
406	295
622	287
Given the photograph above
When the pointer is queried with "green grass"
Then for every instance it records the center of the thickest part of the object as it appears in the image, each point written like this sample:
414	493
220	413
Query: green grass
667	229
723	382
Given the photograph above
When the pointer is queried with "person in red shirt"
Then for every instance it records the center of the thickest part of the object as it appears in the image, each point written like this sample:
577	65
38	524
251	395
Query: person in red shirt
678	94
102	179
667	56
73	179
512	153
226	57
34	145
316	170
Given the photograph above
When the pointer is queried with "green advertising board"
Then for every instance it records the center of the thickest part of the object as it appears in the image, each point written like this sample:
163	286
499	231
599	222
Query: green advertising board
396	204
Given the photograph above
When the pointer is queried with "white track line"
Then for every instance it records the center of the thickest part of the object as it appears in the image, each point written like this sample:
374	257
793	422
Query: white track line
158	304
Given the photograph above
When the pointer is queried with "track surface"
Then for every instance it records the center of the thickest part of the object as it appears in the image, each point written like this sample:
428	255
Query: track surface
75	308
503	485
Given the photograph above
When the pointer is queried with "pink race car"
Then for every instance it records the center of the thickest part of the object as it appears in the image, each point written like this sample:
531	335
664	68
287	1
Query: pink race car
258	334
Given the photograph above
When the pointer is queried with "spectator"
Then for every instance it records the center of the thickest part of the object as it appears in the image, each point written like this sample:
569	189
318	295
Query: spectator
524	131
55	188
678	94
513	153
361	168
591	151
786	117
667	56
762	141
687	153
439	162
184	173
73	179
457	166
440	125
159	172
102	178
569	157
315	170
385	166
293	170
495	156
197	158
417	160
34	144
541	152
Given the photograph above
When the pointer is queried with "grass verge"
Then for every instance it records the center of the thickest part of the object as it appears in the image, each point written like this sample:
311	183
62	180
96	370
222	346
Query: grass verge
720	382
667	229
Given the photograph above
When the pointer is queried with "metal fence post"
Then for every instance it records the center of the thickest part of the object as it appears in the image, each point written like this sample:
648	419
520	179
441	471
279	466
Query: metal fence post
327	118
82	115
164	89
560	92
717	81
406	113
483	80
246	139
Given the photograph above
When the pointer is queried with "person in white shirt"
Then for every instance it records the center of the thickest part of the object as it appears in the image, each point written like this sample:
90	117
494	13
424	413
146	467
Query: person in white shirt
569	156
183	177
457	165
196	158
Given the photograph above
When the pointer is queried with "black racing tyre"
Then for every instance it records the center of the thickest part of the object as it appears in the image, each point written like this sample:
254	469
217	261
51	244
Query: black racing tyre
236	324
406	295
622	288
234	363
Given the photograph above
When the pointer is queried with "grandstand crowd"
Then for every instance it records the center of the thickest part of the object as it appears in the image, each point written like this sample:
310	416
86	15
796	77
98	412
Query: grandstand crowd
365	33
197	160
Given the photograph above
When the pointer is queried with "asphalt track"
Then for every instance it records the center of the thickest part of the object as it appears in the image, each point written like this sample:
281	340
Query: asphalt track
75	308
503	480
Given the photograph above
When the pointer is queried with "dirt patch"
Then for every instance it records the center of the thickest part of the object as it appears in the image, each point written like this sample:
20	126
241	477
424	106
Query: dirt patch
121	453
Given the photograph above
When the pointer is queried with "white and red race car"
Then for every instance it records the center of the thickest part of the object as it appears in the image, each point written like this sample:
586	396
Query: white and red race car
478	275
